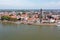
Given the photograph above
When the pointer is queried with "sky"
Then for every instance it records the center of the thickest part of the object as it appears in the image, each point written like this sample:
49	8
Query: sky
29	4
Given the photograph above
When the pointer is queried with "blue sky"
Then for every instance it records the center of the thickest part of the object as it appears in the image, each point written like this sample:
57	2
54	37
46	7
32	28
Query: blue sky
29	4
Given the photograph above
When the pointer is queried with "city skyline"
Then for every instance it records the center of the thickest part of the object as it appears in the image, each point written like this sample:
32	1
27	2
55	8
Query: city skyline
29	4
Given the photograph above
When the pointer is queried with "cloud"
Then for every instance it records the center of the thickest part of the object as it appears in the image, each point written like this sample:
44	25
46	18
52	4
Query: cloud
16	3
49	5
28	4
52	5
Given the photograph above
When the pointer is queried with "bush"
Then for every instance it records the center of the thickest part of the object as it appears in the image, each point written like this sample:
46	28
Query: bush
8	18
5	18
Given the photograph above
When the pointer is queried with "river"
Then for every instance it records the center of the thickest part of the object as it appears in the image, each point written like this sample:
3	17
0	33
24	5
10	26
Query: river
10	31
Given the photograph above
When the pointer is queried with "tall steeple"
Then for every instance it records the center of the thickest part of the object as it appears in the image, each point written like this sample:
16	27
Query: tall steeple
40	15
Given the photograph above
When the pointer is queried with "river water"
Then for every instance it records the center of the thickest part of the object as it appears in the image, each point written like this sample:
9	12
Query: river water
10	31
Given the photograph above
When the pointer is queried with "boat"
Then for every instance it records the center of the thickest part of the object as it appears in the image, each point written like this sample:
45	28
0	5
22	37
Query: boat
58	23
18	22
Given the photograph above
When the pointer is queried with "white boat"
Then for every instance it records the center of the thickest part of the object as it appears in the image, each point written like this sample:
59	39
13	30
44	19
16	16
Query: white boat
58	23
18	22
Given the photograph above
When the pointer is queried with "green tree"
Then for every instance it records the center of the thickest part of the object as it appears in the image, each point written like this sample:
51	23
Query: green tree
5	18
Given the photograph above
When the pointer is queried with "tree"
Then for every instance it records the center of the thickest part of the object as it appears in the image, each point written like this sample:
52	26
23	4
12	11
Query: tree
5	18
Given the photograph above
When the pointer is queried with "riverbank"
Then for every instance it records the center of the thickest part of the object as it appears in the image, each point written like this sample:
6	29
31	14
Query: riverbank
38	24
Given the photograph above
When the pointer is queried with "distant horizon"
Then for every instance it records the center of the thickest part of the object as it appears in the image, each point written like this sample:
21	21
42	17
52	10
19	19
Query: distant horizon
33	8
29	9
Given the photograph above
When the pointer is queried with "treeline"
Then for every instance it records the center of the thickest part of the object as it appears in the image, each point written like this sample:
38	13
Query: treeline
8	18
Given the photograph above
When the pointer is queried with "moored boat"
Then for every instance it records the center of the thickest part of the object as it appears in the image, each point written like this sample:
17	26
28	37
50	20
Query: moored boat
58	23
